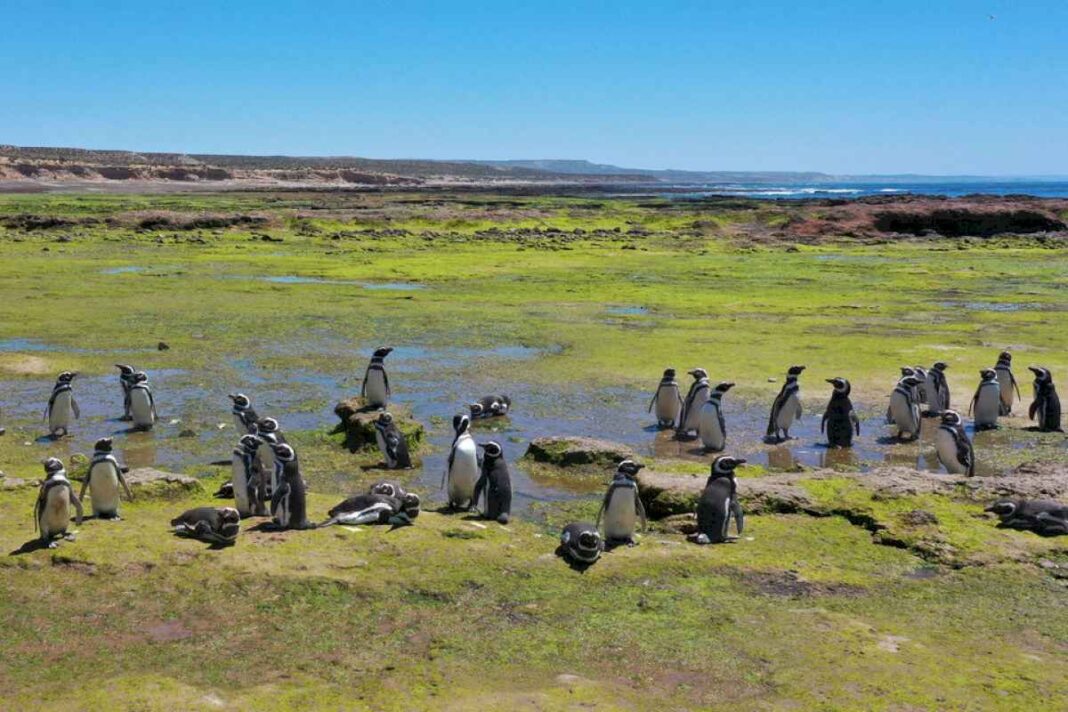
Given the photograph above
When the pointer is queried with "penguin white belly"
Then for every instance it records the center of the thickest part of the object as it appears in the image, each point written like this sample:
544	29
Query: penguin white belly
788	412
464	472
693	415
621	515
239	479
56	515
281	513
382	447
239	423
934	398
375	392
668	406
712	437
946	446
1005	383
265	454
987	405
61	413
104	488
141	408
904	414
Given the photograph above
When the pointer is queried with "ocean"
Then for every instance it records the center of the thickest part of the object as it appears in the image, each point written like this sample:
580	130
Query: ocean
1040	189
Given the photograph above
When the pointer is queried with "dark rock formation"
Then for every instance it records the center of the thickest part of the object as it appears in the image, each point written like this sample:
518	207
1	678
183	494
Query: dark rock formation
357	422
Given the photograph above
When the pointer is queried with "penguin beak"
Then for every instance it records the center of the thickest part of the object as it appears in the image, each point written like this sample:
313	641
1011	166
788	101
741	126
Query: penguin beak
742	460
829	380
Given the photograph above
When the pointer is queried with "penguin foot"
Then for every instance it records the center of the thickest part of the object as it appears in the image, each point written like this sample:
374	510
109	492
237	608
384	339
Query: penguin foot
126	418
52	545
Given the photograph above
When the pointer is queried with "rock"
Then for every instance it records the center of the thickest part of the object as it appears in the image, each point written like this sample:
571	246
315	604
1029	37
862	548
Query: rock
919	518
665	494
187	433
577	452
11	483
357	422
162	346
149	482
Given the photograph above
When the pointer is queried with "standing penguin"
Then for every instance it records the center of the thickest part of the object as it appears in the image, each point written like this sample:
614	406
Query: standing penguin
712	428
690	418
953	446
921	373
719	502
103	481
51	512
270	434
461	471
496	483
986	403
840	421
288	503
245	416
1047	405
786	407
916	392
904	412
126	374
62	408
937	389
245	478
581	543
1007	381
375	389
391	443
622	507
142	403
668	401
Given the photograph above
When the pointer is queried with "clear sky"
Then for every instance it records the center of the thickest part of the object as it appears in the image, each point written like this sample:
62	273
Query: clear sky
932	86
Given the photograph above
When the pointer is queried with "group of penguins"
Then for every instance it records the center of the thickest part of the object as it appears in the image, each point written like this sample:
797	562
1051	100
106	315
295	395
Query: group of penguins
267	480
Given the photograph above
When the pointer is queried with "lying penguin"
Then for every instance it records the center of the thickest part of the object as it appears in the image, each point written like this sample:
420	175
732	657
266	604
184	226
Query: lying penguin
375	508
581	543
1044	517
217	525
719	503
490	407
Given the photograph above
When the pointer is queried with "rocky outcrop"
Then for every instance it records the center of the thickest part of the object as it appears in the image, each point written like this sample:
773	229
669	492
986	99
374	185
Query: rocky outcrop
667	494
152	483
577	452
358	424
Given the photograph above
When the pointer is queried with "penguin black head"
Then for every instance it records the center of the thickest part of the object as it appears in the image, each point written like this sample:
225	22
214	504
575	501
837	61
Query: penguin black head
410	505
384	420
1005	357
940	366
492	449
383	351
66	376
988	374
387	488
249	443
52	466
241	401
500	405
284	453
724	386
1042	374
267	425
952	417
476	410
908	371
103	445
140	377
919	371
589	540
124	369
1002	508
909	381
229	515
630	468
840	385
698	374
723	466
460	424
669	374
795	370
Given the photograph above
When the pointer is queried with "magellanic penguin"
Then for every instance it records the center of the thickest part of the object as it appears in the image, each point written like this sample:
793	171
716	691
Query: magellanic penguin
1007	381
51	512
581	543
1046	407
719	502
391	443
1043	517
216	525
840	421
622	506
288	503
937	389
786	407
953	446
461	470
375	508
491	406
986	403
62	408
126	374
712	428
690	419
391	488
668	401
245	479
245	416
910	371
904	412
142	402
921	373
103	481
496	483
375	389
270	434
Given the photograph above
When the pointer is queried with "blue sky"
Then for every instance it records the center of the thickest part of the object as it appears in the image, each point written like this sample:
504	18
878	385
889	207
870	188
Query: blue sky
843	87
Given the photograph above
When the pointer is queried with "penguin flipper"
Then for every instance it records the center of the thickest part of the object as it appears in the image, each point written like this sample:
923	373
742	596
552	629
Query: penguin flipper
363	387
739	517
385	380
37	507
823	422
653	401
641	510
125	486
855	420
74	407
1032	410
77	502
278	495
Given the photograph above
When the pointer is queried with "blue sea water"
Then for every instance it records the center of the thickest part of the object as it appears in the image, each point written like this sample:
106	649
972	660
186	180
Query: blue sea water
1040	189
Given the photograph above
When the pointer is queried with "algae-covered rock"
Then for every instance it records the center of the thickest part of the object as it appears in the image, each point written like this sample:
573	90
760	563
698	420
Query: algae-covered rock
666	494
577	452
152	483
358	423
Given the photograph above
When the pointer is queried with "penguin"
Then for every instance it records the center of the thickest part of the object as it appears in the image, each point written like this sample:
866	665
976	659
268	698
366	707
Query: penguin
270	434
1044	517
51	512
1007	382
375	389
840	421
104	478
490	407
668	401
461	470
910	371
786	407
496	483
581	543
245	416
711	426
719	502
217	525
142	403
390	488
904	412
986	403
1046	405
375	509
391	443
288	503
622	507
126	374
690	419
62	408
937	389
921	390
245	479
953	446
1052	523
